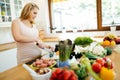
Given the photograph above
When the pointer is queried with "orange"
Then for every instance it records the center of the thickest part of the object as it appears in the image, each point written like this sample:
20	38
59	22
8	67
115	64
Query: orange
57	53
106	43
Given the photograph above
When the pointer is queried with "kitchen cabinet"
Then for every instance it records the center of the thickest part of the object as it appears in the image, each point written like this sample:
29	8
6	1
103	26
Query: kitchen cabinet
8	59
9	9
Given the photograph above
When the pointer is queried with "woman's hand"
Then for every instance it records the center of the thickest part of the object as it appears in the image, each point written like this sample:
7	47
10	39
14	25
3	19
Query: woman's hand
51	48
42	45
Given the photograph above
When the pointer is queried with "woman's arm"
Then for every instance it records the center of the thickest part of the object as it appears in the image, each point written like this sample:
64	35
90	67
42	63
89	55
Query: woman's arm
17	33
43	45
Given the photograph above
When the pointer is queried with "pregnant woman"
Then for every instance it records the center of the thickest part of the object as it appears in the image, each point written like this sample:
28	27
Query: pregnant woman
26	35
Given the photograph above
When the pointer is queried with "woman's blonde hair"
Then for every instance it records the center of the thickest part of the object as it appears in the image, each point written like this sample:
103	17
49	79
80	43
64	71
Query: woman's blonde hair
25	14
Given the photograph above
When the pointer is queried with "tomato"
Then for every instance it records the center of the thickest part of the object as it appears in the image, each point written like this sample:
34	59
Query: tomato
73	78
96	67
101	61
72	72
66	74
59	77
54	76
58	71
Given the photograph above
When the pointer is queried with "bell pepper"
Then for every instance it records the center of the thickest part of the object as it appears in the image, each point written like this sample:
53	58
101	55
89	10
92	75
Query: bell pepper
107	74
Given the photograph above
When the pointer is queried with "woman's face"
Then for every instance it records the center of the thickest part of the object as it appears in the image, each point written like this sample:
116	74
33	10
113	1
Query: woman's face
33	14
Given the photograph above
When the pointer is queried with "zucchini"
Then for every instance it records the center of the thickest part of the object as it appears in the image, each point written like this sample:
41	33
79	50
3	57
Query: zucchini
91	56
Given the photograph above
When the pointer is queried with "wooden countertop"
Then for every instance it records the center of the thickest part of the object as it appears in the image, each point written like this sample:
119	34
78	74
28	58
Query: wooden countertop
19	73
115	57
16	73
11	45
50	39
7	46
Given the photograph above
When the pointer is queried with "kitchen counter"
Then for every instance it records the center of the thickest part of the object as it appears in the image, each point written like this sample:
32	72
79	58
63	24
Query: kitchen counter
16	73
7	46
19	73
11	45
115	57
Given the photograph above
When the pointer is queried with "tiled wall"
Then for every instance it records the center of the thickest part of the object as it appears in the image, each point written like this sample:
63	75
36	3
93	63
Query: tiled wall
5	35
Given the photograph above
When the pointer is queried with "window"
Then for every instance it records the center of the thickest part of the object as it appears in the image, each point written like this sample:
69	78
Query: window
110	12
18	7
83	14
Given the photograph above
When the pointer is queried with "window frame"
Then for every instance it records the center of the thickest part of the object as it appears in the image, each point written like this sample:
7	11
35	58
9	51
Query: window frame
99	19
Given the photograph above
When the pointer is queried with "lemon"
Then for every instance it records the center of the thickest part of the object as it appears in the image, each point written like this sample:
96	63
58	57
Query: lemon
101	43
112	43
3	13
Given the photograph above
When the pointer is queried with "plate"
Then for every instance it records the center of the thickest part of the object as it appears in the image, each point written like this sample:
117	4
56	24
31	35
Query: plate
46	63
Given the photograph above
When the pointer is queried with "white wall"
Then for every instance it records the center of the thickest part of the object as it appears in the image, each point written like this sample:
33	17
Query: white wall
42	20
5	35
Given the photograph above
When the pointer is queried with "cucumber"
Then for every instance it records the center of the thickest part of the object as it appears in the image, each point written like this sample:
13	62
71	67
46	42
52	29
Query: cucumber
91	56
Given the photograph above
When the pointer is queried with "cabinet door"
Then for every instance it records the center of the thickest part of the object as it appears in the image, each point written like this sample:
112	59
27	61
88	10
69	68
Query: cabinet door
9	10
5	9
8	59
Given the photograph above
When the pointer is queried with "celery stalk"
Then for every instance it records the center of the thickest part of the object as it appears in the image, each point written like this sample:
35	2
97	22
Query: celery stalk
86	61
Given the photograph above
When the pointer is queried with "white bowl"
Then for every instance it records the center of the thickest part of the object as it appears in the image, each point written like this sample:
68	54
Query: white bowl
46	76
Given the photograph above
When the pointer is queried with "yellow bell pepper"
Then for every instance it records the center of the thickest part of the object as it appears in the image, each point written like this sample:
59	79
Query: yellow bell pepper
107	74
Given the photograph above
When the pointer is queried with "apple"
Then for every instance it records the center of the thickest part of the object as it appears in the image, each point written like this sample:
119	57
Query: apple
117	40
107	38
108	63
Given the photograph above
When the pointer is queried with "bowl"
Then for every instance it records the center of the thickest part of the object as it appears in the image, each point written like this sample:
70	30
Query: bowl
45	76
